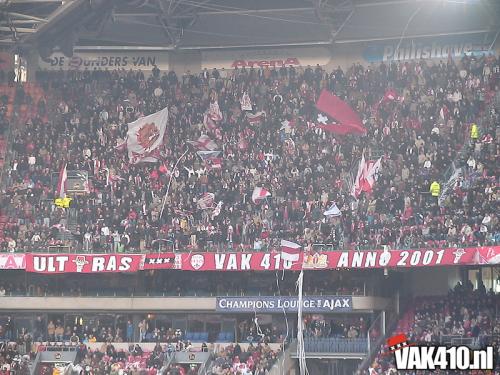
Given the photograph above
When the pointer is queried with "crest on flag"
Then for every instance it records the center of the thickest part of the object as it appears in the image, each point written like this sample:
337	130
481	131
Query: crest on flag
145	136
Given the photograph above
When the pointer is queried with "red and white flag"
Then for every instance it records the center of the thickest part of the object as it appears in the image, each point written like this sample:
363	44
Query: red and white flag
214	111
366	176
213	163
61	182
337	116
145	135
290	251
259	194
216	211
246	103
257	118
204	143
206	201
392	95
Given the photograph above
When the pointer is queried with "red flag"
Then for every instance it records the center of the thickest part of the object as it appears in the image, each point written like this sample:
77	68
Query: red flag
334	107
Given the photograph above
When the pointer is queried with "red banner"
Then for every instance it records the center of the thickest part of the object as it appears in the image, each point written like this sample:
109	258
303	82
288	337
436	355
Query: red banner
236	262
162	261
12	262
259	261
341	259
94	263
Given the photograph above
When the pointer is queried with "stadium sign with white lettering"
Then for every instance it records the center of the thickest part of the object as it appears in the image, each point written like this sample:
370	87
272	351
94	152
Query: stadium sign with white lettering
277	304
102	60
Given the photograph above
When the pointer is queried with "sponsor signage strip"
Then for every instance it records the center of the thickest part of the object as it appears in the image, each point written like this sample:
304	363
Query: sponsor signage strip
276	304
107	60
255	261
265	58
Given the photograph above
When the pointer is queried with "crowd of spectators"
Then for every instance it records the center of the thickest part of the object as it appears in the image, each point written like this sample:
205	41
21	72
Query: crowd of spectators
255	360
108	360
419	135
12	361
319	326
467	316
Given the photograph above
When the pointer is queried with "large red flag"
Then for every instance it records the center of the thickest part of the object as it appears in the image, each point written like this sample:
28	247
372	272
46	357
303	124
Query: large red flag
336	108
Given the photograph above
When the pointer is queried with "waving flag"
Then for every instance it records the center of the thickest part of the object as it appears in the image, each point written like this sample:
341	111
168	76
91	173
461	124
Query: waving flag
214	163
216	211
206	201
214	111
392	95
287	126
61	182
259	193
246	103
204	143
204	155
290	251
145	135
256	118
347	121
333	211
366	176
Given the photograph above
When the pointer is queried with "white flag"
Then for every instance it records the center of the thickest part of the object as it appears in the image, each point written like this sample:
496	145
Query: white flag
145	135
333	210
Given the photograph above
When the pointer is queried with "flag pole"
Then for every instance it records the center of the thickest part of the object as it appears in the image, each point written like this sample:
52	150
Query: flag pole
170	182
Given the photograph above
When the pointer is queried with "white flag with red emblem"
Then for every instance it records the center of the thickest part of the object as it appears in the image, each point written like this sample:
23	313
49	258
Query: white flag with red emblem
145	136
290	251
259	193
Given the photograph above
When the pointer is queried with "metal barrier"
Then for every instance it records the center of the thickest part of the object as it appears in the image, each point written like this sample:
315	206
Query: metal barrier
336	345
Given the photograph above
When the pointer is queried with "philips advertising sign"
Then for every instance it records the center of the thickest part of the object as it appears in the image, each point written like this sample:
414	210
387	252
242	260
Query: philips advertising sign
428	48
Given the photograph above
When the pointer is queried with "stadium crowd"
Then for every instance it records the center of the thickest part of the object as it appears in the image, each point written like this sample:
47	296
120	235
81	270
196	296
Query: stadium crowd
441	114
467	316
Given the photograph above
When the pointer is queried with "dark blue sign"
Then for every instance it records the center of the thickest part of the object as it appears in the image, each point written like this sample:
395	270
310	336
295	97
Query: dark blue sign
310	304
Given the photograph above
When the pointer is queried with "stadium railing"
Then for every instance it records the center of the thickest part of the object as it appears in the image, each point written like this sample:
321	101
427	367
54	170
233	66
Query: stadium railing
315	248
